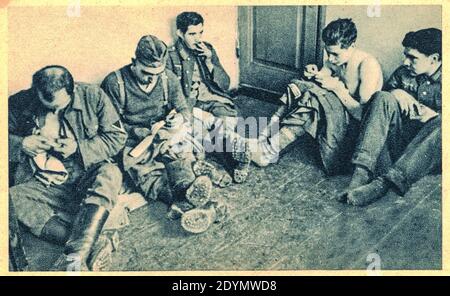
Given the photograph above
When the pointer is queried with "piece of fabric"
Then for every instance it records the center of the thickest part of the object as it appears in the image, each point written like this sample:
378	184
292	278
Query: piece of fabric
321	114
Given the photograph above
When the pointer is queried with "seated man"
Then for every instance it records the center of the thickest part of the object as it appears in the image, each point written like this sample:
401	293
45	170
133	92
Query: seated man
62	136
405	115
205	84
154	111
329	107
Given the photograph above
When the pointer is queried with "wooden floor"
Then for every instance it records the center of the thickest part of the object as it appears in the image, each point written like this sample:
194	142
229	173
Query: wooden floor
284	218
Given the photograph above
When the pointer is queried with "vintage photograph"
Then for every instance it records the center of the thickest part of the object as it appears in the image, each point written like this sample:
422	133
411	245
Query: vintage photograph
224	138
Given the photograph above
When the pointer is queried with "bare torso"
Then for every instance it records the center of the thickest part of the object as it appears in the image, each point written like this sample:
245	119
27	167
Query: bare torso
350	73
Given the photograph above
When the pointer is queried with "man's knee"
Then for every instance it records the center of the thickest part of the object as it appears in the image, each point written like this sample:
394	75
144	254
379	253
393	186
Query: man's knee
112	171
29	210
384	98
106	185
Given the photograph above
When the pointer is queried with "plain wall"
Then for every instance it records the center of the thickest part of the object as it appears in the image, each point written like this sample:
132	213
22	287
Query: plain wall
103	38
382	36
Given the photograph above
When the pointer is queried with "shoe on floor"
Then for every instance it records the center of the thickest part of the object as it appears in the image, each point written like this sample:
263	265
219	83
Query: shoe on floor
178	208
200	220
199	193
218	177
242	156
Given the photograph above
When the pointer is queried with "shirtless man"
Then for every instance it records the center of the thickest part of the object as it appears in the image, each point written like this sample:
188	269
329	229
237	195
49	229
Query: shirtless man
321	106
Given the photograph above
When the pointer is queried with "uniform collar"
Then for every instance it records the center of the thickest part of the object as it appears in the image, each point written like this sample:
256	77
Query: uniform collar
76	100
436	77
185	52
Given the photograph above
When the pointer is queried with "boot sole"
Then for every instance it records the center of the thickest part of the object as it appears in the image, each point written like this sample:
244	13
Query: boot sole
203	168
197	220
243	159
198	194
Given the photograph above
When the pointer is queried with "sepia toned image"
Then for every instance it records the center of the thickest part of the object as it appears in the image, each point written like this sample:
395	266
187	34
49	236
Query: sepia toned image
224	138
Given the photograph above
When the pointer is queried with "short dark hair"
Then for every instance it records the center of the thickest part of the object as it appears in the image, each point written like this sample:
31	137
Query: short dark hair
50	79
427	41
340	31
188	18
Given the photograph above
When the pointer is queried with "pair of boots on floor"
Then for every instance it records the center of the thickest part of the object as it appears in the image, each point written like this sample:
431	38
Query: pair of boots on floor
196	210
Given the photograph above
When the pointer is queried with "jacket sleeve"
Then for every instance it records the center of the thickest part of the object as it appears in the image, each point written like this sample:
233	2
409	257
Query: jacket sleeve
15	132
395	81
111	136
111	87
169	62
219	75
176	97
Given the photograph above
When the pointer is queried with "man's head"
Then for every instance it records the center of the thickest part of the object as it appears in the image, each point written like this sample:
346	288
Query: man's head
150	59
190	28
339	37
423	51
54	87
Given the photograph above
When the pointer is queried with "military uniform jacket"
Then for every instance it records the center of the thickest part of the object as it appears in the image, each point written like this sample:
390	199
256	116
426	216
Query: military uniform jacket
426	89
91	117
181	61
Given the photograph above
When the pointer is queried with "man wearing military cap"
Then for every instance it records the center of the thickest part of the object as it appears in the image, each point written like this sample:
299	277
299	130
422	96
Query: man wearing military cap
205	85
153	110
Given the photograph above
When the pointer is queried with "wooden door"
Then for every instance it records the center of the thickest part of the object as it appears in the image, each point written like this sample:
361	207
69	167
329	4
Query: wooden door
276	42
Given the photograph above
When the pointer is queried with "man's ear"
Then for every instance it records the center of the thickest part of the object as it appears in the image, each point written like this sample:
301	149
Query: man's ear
435	57
180	34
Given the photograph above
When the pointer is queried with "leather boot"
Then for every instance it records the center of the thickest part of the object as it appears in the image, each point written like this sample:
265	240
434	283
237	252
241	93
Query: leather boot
180	175
219	177
199	220
56	231
242	157
86	230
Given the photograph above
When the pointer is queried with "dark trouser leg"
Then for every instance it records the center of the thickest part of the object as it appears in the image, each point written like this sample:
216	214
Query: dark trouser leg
35	204
17	258
421	157
381	125
101	185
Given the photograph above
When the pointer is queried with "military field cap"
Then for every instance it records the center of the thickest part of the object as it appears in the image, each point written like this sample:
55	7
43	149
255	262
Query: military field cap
152	52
